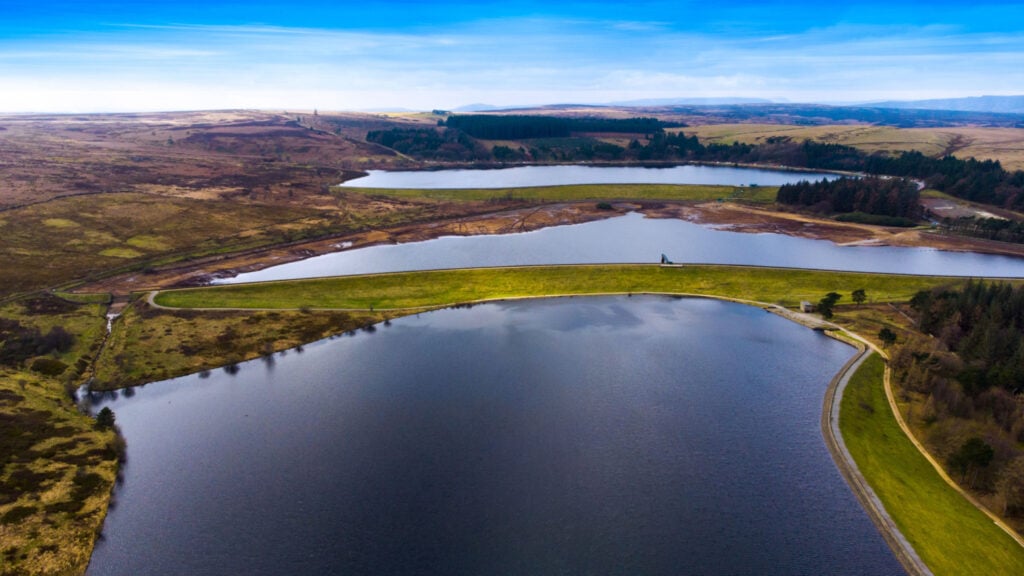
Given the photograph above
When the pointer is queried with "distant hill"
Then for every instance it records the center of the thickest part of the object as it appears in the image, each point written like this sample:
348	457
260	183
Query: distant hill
646	102
692	102
478	107
997	104
900	114
819	114
388	109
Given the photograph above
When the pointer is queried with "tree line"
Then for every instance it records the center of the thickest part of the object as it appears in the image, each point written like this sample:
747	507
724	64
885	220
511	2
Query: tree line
989	228
521	127
983	181
977	180
983	324
970	375
429	144
880	196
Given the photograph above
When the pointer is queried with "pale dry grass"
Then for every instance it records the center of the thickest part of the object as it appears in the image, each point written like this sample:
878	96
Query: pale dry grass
1003	144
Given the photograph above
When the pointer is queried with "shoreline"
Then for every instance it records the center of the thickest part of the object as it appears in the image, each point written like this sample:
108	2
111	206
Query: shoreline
869	501
901	548
830	410
431	166
889	533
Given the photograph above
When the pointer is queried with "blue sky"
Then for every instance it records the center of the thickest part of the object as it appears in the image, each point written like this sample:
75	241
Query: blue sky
123	56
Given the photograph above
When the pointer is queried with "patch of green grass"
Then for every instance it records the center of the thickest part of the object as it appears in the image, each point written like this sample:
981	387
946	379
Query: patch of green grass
120	252
932	193
40	249
56	469
677	192
147	242
93	298
148	344
445	287
948	533
59	223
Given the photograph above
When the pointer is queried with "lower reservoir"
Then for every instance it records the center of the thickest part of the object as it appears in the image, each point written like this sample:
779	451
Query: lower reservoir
606	435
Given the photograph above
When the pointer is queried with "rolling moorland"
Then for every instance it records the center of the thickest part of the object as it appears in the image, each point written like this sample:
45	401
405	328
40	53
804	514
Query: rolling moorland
94	209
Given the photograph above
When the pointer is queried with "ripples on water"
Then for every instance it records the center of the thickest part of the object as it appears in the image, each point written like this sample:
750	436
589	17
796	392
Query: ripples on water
562	175
633	238
602	435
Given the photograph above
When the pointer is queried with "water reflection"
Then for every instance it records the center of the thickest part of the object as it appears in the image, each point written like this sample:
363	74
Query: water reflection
633	238
619	435
521	176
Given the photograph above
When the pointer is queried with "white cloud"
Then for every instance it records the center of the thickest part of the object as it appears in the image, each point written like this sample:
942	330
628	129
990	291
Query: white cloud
526	61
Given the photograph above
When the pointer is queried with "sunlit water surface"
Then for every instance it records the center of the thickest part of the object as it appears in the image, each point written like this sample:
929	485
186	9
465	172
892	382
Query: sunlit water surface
606	435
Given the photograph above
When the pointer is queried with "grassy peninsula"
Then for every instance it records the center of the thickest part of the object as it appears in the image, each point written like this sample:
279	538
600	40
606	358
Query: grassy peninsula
446	287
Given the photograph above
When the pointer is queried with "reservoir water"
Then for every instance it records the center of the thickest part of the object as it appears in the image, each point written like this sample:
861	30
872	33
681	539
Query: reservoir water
633	238
562	175
603	435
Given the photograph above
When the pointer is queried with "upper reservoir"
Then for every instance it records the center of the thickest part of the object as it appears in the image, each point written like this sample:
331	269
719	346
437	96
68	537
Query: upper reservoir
633	238
522	176
605	435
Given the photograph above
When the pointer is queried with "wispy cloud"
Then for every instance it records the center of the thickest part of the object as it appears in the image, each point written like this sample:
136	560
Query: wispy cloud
528	59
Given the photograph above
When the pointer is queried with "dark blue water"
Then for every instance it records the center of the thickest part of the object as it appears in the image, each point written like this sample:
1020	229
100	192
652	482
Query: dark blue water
633	238
576	436
561	175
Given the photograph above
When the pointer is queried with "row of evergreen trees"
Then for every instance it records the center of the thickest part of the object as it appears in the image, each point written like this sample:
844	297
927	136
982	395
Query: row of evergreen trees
983	323
988	228
430	144
521	127
980	181
976	180
882	196
971	376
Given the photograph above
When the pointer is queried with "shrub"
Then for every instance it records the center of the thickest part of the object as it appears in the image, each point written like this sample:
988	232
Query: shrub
105	419
17	514
49	366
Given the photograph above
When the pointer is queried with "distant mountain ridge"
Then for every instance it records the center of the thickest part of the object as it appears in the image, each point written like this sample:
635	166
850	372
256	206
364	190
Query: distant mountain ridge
693	102
994	104
479	107
641	103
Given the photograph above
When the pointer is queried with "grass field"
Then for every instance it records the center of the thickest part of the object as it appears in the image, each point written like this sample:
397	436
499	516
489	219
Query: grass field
758	194
948	533
439	288
148	345
1003	144
101	232
53	243
56	470
83	298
